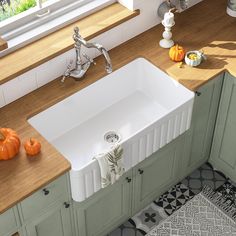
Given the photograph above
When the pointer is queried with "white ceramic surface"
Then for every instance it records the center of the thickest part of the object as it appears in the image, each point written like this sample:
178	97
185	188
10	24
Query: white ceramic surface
138	101
231	12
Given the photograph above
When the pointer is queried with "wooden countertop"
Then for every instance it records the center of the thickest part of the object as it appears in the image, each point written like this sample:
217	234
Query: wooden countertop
206	26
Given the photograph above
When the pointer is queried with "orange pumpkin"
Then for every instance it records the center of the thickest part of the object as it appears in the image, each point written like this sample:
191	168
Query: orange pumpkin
176	53
9	143
32	147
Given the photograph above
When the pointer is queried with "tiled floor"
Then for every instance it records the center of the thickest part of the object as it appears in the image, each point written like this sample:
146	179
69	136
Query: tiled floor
205	175
176	197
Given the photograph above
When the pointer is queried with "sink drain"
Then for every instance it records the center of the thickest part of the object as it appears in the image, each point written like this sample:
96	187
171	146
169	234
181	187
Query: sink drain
112	137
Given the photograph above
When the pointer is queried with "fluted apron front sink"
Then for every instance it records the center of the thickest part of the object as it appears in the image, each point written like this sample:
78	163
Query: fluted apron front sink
139	102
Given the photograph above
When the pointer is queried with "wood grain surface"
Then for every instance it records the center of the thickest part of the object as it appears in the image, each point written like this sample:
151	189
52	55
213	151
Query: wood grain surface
3	44
206	26
50	46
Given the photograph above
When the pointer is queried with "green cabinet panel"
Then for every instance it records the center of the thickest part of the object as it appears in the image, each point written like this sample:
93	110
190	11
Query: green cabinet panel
198	138
156	174
106	209
223	154
57	221
43	198
9	222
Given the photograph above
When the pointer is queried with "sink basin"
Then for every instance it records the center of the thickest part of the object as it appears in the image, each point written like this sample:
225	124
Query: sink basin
140	103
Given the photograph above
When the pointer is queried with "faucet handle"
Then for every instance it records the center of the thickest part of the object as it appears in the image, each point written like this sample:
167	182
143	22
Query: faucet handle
67	72
89	58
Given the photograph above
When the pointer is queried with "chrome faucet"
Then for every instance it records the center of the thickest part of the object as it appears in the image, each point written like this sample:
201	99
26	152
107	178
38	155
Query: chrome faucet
81	67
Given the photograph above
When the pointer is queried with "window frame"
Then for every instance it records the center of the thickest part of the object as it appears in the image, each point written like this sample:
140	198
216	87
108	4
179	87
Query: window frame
35	15
13	31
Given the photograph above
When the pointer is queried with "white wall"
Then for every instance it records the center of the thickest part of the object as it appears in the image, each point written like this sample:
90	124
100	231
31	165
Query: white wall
31	80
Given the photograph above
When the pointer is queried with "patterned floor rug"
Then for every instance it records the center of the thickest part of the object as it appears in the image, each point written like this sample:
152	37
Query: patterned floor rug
206	214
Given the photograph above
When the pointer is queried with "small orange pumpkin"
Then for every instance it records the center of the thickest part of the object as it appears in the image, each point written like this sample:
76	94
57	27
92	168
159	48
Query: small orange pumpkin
176	53
9	143
32	147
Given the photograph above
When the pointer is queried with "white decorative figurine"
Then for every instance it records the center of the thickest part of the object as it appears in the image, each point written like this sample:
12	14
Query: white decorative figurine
167	22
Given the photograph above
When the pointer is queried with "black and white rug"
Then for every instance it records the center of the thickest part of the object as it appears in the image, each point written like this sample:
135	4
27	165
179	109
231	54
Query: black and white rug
227	192
206	214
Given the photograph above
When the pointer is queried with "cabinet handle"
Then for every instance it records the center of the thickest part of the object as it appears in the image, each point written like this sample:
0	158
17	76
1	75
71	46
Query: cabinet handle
16	234
66	204
140	171
46	191
198	93
128	179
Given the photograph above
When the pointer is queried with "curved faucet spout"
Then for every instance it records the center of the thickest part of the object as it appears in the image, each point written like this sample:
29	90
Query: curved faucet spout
102	50
106	56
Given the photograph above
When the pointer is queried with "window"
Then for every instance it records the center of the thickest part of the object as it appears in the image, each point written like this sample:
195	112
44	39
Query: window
24	21
10	8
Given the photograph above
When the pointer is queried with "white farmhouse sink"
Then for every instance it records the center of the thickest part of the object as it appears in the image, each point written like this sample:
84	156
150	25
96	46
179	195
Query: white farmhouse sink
139	101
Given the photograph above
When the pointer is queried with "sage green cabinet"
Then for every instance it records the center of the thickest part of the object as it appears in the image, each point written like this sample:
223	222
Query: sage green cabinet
58	190
57	221
198	138
156	174
9	222
49	210
46	212
223	154
106	209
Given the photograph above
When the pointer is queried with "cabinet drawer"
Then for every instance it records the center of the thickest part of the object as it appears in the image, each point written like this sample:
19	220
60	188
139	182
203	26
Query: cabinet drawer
43	198
9	221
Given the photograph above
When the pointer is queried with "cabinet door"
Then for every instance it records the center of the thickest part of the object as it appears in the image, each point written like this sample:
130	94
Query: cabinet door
105	210
55	222
199	136
58	190
156	174
223	154
9	222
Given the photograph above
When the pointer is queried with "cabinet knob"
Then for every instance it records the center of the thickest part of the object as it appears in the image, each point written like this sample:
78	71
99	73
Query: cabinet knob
16	234
66	204
128	179
46	191
198	93
140	171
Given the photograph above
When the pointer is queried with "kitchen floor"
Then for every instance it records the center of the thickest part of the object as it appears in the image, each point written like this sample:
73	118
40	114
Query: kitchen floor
176	197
